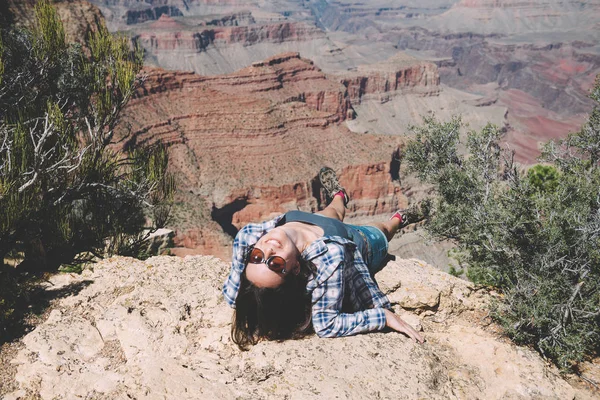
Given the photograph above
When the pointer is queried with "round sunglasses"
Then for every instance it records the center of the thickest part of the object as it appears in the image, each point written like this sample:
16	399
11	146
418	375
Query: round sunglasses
275	263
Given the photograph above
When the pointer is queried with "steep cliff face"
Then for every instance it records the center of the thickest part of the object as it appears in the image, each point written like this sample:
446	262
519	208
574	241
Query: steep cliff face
398	75
282	80
168	35
252	142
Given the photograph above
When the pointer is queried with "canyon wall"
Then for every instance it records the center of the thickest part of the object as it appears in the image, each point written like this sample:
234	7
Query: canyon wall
398	75
536	59
167	34
251	143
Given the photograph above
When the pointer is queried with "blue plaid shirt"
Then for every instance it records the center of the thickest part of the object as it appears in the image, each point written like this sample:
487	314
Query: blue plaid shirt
339	268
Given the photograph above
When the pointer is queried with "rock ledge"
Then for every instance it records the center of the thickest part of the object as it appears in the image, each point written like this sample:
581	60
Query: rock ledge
160	329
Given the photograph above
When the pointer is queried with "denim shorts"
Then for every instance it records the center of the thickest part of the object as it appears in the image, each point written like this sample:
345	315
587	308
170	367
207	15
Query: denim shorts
377	246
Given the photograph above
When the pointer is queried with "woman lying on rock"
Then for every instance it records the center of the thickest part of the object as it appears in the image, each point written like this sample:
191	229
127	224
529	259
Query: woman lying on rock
300	268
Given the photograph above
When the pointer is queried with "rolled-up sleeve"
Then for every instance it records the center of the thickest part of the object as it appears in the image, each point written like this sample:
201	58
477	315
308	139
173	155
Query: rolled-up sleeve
329	321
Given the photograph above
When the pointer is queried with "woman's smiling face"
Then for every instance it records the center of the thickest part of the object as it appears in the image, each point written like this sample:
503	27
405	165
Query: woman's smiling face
275	243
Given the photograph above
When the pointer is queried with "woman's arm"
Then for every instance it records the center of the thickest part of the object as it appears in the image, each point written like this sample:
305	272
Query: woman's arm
327	318
336	324
329	321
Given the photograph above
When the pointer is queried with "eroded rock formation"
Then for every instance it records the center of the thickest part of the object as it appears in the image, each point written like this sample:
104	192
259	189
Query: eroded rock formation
399	75
544	49
252	142
168	35
486	48
160	329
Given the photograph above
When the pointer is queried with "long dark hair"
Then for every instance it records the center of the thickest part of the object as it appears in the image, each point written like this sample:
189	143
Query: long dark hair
272	313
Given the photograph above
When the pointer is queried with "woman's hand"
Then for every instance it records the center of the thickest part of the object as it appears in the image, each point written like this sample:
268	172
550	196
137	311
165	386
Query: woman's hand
396	323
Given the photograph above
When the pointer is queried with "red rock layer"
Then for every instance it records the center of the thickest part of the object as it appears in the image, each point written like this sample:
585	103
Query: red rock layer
281	92
368	185
202	240
169	37
252	142
400	74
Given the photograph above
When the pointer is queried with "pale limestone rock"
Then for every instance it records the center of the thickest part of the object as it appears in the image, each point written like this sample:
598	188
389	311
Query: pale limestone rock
412	319
160	329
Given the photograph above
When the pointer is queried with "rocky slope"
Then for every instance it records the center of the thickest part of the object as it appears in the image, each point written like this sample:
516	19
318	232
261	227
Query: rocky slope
160	329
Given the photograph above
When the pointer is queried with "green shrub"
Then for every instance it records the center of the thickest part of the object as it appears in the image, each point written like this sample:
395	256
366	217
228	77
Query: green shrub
67	192
534	235
544	178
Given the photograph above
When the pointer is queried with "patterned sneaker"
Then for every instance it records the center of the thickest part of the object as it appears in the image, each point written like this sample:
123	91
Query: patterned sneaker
332	186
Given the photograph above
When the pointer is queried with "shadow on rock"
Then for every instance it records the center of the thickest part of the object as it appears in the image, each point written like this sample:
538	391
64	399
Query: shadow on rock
30	308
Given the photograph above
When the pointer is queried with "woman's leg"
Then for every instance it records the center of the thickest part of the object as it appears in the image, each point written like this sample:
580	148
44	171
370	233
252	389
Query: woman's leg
335	209
329	181
378	235
389	228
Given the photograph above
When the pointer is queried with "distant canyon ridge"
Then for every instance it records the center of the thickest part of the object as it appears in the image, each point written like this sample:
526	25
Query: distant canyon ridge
534	60
253	97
